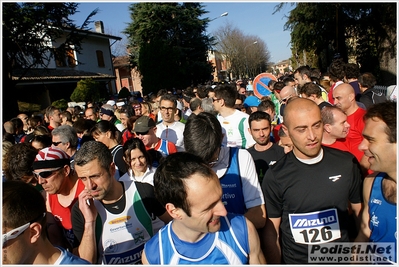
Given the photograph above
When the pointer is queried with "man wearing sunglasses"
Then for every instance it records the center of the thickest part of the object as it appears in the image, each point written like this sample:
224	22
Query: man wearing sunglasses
145	130
53	172
24	236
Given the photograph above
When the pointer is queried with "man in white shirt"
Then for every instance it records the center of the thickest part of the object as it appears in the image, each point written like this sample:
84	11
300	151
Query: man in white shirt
169	129
234	122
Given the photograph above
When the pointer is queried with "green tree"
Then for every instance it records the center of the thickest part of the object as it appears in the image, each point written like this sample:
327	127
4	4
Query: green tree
87	90
362	32
168	44
61	104
26	31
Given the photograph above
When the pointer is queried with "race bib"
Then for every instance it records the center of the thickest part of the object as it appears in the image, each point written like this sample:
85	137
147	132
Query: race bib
315	227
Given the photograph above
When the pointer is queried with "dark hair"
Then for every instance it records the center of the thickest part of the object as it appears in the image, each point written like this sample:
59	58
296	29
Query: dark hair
309	89
385	111
169	97
91	150
170	176
352	71
104	126
134	143
281	132
228	93
336	70
367	80
278	86
44	139
18	161
81	125
195	103
265	104
23	203
303	70
67	115
288	79
203	135
258	116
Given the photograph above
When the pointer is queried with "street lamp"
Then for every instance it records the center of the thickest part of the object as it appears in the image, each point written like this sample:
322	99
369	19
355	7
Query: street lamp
246	58
222	15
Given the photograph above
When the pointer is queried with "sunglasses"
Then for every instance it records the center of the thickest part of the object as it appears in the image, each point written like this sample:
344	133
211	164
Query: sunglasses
215	99
14	233
45	174
143	133
56	143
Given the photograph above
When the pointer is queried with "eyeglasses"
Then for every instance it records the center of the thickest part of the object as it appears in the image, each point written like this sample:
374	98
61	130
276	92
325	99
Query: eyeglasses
14	233
170	109
215	99
45	174
56	143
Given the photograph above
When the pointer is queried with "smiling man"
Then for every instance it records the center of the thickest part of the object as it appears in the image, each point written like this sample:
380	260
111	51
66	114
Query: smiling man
379	217
202	232
310	181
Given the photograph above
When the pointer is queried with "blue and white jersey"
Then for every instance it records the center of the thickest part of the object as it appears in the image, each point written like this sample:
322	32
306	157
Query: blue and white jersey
229	245
383	215
67	258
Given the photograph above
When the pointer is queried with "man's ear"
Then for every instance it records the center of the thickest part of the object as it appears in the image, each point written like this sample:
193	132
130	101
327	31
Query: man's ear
175	213
112	169
35	232
327	127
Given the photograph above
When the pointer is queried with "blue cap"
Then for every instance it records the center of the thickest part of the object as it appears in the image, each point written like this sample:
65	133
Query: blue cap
251	101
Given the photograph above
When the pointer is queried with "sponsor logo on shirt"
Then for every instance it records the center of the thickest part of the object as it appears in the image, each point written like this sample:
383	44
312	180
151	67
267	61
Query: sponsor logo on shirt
335	177
120	220
376	201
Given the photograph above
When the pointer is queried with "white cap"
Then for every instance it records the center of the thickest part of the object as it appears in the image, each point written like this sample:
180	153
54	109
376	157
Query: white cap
119	104
111	102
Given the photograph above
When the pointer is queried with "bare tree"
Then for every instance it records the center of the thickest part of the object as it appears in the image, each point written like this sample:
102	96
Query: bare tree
119	48
247	55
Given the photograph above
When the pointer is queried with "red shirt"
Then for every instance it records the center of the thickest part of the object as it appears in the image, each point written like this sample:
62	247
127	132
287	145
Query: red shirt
63	214
355	136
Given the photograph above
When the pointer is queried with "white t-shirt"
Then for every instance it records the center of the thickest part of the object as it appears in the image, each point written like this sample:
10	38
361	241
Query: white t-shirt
148	176
235	130
172	133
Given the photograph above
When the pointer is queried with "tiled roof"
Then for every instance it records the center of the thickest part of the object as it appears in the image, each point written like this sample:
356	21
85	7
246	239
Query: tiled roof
57	74
122	61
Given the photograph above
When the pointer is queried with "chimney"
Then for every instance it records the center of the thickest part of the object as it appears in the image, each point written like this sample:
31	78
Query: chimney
99	26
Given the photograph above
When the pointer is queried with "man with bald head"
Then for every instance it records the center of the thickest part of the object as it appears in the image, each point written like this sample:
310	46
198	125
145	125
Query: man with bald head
344	98
286	93
310	182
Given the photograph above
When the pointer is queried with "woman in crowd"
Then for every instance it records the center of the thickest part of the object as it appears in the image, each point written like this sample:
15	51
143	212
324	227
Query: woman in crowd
106	133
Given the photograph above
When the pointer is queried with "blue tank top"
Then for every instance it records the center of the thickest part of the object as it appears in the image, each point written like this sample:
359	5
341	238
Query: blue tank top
229	245
233	198
382	214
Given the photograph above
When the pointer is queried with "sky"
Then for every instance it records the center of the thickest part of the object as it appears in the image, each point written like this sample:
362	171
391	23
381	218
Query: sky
252	18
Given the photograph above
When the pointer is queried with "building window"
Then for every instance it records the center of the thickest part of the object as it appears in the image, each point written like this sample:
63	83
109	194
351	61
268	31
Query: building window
100	58
65	57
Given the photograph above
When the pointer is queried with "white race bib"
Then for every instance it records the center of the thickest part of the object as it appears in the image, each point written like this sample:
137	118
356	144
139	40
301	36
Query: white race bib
315	227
